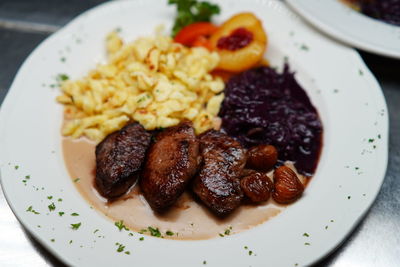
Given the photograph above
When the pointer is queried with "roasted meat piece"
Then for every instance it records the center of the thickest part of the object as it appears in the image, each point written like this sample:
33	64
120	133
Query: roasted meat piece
217	184
256	186
171	162
119	159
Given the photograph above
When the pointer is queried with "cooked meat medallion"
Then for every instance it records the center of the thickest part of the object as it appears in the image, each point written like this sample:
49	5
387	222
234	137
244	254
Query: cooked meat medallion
119	159
217	184
171	162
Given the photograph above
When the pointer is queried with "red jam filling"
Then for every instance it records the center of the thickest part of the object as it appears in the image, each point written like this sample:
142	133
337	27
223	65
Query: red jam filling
238	39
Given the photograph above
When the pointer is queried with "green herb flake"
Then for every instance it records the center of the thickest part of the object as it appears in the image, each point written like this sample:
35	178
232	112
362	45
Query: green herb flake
246	247
49	197
61	213
304	47
142	231
74	214
59	200
305	234
30	209
250	252
127	252
326	227
221	235
154	231
77	180
51	207
356	168
62	77
204	262
95	231
169	233
141	239
227	232
360	72
379	136
192	11
332	221
70	242
307	244
16	167
130	234
120	225
371	140
75	226
348	197
27	177
120	247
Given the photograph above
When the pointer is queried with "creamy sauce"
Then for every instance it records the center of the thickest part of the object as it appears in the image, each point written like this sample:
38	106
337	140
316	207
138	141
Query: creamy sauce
187	219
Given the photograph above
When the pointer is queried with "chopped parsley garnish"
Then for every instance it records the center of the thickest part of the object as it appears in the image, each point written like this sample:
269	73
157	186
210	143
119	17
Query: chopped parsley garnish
332	220
27	177
120	225
348	197
61	213
371	140
305	234
304	47
75	226
221	235
379	136
307	244
250	252
16	167
30	209
246	247
127	252
154	231
204	262
63	59
356	168
62	77
70	241
169	233
74	214
326	227
120	247
192	11
142	231
95	231
360	72
77	180
51	207
141	239
49	197
59	200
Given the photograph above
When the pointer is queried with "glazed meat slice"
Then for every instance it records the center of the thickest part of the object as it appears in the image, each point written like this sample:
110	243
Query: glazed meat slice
217	183
171	162
119	159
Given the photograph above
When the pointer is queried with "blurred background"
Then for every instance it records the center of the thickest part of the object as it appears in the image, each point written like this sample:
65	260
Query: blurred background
375	241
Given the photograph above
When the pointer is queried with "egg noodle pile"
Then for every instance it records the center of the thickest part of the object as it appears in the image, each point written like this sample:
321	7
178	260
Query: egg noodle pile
152	80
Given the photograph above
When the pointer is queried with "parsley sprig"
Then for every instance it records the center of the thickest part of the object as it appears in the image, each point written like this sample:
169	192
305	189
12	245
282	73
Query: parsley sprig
191	11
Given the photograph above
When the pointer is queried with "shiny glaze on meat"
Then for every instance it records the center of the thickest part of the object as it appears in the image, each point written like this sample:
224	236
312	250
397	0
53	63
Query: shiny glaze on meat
171	162
217	183
119	160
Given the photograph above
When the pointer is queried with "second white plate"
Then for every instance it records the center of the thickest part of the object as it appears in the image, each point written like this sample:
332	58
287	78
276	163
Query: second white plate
351	27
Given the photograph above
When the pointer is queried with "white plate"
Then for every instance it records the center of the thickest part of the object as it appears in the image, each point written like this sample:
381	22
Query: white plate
346	94
349	26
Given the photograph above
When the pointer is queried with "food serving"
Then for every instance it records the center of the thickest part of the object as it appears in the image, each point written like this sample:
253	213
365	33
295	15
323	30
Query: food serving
384	10
160	141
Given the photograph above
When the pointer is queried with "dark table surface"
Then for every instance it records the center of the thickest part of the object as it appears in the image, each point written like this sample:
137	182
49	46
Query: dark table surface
376	240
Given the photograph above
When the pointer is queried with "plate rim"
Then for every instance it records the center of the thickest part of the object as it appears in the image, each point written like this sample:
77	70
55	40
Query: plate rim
332	32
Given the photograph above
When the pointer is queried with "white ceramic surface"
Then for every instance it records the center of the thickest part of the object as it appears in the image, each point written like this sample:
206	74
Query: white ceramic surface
348	178
351	27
